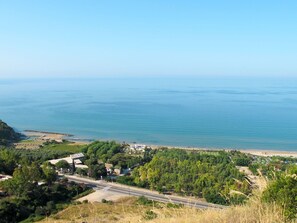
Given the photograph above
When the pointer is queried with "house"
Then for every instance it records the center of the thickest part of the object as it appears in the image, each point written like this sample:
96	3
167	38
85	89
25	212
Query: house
109	168
75	159
76	156
138	147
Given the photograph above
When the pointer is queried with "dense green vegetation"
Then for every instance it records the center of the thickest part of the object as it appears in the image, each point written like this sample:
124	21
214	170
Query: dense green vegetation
100	152
62	164
283	191
213	177
103	150
34	190
10	158
7	134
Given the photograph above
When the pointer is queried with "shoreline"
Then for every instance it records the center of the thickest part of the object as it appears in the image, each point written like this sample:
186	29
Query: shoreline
46	132
257	152
43	136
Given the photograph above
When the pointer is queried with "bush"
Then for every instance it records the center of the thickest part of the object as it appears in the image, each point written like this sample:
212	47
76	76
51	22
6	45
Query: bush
128	180
62	164
104	201
172	205
144	201
149	215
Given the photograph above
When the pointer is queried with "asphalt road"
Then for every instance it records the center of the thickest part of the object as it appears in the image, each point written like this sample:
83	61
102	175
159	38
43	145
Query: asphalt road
131	191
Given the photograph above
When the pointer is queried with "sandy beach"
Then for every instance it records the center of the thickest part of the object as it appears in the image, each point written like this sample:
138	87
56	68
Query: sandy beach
35	139
44	136
49	136
256	152
270	153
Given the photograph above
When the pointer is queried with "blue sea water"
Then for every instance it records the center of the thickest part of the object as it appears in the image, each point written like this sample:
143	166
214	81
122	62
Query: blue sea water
245	113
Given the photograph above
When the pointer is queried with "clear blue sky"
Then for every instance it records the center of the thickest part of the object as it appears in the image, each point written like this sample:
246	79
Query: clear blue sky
147	37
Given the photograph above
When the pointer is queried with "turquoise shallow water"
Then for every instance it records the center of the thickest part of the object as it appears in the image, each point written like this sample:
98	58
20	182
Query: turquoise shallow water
216	112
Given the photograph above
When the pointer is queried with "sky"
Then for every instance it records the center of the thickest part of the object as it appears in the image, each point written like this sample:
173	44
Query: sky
73	38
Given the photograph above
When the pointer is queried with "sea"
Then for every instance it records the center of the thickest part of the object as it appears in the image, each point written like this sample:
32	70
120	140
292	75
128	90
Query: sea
207	112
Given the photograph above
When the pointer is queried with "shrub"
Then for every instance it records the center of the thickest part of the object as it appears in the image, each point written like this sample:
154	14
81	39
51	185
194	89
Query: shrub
149	215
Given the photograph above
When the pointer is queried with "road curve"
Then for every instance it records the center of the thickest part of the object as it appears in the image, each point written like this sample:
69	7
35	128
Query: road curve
132	191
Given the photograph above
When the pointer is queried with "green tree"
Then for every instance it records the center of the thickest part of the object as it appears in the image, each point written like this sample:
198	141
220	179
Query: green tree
49	172
24	180
283	192
8	161
8	212
97	170
62	164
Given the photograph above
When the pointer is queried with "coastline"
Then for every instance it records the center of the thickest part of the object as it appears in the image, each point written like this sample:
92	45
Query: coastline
270	153
42	136
46	135
46	132
256	152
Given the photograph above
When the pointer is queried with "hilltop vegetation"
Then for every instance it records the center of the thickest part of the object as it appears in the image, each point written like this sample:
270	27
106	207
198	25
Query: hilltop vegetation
7	134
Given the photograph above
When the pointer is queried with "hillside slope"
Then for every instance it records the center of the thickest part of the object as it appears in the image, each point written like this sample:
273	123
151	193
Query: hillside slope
128	210
7	134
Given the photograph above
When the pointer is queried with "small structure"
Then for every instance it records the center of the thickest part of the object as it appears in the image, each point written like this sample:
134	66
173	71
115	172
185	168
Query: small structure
77	156
75	160
109	167
137	148
5	177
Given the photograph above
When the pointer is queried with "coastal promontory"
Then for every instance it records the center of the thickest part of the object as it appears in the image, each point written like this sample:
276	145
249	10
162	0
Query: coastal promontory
7	134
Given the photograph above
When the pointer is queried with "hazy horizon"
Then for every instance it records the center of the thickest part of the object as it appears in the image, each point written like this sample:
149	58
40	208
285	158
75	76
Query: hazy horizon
147	38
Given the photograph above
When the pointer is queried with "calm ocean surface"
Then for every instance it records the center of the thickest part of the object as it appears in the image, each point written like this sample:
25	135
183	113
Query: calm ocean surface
222	113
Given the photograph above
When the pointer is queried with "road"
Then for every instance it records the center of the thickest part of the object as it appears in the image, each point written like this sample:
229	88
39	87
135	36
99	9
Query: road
132	191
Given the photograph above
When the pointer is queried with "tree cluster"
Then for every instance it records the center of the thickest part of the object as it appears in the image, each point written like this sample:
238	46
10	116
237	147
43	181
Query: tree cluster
100	152
211	176
33	191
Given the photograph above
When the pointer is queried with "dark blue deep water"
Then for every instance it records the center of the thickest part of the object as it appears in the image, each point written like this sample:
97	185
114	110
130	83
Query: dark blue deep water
254	113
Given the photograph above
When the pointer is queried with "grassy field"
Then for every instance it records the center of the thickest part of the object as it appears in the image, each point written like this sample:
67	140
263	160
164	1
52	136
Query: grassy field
128	210
65	147
28	144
